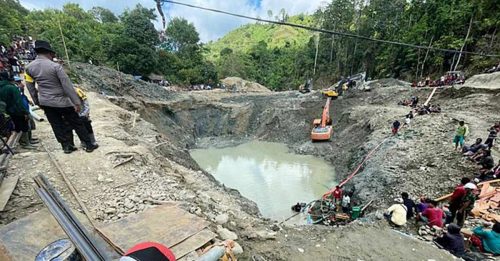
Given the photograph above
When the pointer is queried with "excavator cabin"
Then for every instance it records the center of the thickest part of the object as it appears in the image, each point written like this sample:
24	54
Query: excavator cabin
322	128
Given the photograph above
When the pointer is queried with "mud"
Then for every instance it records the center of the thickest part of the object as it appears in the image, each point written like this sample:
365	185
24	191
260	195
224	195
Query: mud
268	174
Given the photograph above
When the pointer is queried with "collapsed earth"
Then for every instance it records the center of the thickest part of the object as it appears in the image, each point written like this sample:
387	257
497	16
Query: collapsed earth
216	164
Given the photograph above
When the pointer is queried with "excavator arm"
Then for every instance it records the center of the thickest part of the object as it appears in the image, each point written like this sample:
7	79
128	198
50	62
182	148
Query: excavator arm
326	113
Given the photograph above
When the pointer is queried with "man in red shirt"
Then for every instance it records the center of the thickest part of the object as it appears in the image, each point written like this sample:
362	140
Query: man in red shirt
433	216
456	199
337	197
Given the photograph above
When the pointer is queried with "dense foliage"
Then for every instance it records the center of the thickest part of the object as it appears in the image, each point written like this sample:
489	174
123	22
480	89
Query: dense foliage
436	23
129	42
279	57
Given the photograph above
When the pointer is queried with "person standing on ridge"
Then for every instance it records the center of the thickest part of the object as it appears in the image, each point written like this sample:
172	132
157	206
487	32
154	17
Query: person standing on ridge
57	97
85	115
492	135
460	134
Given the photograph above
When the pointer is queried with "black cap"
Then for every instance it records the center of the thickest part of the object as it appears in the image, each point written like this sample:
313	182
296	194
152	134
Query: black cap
43	45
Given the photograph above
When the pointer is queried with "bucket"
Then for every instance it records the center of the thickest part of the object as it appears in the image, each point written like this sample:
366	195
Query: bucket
356	211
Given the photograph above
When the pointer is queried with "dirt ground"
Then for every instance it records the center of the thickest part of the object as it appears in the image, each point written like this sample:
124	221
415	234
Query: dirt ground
150	130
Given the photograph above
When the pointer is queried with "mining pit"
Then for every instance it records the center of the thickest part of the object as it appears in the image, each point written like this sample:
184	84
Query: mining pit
157	131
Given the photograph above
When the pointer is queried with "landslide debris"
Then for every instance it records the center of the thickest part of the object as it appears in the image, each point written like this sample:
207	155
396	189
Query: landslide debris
241	85
162	125
486	81
419	160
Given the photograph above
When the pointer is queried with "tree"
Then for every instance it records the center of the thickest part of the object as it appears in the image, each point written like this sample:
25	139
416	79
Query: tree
12	15
103	15
270	14
133	57
226	51
283	14
183	48
138	25
182	36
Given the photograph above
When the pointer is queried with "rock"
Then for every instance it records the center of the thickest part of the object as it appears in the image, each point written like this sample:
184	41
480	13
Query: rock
128	204
301	250
237	249
428	238
226	234
276	227
222	219
436	228
266	235
110	211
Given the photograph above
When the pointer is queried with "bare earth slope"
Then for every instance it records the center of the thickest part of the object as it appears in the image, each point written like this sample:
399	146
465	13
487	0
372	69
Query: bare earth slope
167	124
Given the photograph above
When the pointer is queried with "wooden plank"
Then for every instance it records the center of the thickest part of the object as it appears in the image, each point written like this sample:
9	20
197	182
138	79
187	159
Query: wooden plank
24	238
479	184
166	224
4	161
6	188
4	254
193	243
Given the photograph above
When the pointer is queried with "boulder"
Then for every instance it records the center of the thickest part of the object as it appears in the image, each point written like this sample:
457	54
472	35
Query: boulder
226	234
237	249
222	219
243	85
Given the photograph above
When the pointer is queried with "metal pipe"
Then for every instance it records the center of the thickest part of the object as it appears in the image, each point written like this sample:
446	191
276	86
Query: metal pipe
67	220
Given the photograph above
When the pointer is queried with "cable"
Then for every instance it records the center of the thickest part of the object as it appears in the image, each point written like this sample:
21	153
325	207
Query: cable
330	32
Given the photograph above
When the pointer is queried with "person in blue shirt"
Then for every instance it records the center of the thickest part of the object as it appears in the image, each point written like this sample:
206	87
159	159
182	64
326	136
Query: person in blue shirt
490	239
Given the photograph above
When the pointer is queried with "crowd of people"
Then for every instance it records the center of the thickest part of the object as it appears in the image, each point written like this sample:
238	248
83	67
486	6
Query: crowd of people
417	109
479	152
14	57
451	215
65	106
450	78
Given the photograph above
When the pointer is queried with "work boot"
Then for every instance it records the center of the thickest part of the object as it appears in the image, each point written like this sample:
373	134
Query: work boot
32	139
68	148
25	142
91	147
92	139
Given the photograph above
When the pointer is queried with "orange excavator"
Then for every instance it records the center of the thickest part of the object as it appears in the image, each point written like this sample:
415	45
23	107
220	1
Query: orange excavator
322	128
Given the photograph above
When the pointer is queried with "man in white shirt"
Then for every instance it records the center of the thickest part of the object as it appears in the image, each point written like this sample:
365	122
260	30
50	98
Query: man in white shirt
346	203
396	213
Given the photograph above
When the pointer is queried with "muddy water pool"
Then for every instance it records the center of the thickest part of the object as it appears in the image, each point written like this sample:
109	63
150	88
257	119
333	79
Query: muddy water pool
268	174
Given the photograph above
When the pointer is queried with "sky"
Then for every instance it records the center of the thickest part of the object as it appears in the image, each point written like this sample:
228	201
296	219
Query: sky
210	26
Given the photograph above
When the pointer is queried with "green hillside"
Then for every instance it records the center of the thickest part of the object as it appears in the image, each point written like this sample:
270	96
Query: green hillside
247	36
